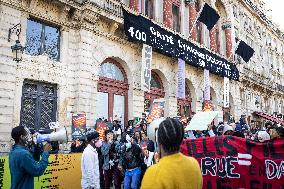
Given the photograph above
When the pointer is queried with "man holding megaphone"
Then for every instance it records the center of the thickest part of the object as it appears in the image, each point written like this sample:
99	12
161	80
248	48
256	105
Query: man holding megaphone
23	167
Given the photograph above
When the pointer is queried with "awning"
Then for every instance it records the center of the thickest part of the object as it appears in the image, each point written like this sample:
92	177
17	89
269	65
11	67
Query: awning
269	117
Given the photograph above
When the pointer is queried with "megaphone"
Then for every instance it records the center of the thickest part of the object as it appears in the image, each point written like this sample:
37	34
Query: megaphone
152	128
60	136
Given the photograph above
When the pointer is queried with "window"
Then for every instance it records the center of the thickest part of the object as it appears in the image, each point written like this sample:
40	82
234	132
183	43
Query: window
176	18
38	105
112	95
156	92
184	105
146	7
42	38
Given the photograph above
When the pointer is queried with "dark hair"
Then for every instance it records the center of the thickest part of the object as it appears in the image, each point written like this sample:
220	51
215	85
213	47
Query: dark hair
17	132
170	135
92	136
108	131
239	134
280	131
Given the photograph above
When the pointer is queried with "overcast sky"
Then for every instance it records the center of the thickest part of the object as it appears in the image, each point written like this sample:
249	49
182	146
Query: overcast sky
277	13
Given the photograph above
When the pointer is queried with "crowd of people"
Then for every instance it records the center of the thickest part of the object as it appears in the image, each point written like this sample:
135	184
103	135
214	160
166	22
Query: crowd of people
126	156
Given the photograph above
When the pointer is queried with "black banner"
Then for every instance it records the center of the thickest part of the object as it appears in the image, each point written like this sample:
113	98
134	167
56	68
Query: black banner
138	28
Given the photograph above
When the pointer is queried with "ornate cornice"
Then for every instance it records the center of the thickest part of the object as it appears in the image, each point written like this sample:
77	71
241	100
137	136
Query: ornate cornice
227	25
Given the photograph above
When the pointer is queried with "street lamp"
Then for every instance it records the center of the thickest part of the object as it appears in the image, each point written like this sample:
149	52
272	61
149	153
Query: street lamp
17	49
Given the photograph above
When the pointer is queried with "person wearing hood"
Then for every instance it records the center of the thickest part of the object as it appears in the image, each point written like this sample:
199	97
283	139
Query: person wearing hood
90	162
228	130
263	136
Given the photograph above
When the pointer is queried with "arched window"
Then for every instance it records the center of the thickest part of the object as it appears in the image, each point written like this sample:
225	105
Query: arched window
156	92
184	105
112	96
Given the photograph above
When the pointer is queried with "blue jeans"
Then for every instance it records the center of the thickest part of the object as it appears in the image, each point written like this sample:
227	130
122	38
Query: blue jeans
132	178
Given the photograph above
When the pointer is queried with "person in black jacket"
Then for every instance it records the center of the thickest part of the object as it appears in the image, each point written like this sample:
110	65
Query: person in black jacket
131	162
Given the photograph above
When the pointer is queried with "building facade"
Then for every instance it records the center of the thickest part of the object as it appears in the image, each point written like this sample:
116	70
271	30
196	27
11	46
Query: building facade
78	60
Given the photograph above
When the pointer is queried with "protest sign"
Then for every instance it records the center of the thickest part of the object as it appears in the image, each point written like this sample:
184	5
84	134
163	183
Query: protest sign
63	171
78	126
101	127
234	163
201	120
156	110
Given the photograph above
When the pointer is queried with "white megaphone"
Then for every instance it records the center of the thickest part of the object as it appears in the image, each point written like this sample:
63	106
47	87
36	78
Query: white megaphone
152	128
60	136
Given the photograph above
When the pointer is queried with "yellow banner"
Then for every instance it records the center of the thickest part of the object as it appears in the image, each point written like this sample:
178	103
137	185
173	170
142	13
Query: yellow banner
63	172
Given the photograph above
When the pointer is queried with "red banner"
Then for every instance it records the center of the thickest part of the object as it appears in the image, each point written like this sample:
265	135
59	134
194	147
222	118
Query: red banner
236	163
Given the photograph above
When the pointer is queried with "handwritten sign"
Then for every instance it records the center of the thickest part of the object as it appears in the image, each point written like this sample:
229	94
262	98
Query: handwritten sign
63	171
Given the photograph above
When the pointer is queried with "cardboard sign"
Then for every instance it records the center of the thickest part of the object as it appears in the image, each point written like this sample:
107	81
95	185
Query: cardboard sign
201	120
233	162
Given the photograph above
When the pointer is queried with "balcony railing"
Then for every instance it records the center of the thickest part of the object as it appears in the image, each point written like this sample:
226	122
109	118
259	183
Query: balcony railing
112	6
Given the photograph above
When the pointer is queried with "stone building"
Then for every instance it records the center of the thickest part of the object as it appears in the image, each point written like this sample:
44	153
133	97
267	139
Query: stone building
78	60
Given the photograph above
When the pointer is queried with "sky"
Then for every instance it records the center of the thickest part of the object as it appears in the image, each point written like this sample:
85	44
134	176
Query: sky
277	12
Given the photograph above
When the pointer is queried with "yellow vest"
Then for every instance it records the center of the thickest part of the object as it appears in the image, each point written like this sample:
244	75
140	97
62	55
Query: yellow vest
175	171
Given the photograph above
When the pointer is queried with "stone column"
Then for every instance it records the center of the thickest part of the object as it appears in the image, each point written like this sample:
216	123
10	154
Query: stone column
167	13
192	19
229	43
212	36
134	5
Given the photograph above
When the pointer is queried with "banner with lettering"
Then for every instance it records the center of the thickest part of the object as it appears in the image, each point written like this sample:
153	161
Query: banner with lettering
206	85
156	110
63	171
146	67
143	30
236	163
181	79
226	92
78	126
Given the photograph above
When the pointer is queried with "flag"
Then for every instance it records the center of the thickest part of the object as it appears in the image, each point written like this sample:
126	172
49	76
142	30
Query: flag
181	79
226	92
146	67
206	85
245	51
208	16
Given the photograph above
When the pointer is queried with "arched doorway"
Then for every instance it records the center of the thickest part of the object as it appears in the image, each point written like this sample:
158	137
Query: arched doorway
112	96
184	104
156	92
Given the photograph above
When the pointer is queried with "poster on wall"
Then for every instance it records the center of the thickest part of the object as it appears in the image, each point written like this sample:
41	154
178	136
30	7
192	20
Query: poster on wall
146	67
63	171
78	126
156	110
234	162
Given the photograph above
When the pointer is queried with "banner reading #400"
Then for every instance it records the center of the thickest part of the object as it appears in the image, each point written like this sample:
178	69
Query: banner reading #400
137	34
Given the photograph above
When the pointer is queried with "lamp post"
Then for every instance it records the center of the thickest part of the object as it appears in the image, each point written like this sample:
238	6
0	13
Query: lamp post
17	49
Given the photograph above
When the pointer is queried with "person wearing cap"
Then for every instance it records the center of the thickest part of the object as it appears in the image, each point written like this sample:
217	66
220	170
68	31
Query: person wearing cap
90	162
174	169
